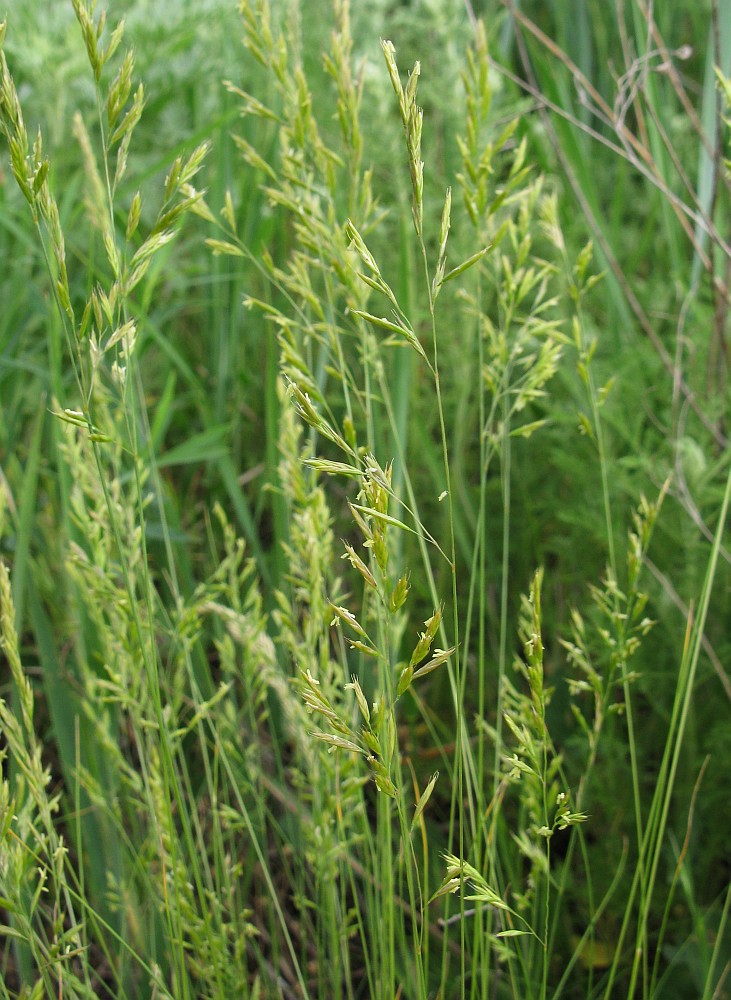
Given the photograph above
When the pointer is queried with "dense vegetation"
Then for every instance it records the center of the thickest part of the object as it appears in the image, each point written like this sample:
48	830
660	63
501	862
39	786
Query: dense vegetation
364	474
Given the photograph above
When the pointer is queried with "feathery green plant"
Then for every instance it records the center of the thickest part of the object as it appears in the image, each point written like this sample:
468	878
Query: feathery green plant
223	781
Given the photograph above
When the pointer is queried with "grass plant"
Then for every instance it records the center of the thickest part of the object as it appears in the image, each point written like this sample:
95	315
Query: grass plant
363	570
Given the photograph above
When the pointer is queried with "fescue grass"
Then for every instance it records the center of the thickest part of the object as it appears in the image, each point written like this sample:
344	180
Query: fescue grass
364	482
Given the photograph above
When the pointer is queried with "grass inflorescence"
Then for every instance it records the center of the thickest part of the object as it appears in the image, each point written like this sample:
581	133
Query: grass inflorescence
363	489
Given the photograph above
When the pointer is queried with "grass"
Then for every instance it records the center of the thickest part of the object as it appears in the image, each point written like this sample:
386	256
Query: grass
365	476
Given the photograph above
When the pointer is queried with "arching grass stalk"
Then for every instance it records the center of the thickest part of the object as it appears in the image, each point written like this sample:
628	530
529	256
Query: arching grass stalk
104	310
307	327
514	370
105	328
580	281
412	121
652	844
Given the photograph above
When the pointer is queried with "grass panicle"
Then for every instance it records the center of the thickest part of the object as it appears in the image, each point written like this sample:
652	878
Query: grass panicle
364	489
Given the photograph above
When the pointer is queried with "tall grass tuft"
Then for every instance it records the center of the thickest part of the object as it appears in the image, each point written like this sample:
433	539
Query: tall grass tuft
339	637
